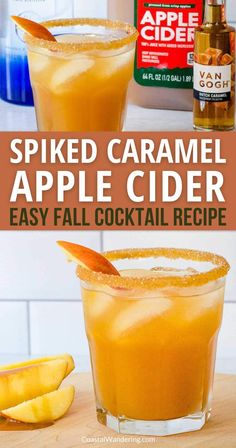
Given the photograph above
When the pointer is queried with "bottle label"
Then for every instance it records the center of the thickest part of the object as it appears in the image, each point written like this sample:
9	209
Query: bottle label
165	48
212	83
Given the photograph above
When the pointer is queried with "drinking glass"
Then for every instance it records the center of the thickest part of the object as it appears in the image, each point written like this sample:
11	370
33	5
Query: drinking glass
152	335
80	82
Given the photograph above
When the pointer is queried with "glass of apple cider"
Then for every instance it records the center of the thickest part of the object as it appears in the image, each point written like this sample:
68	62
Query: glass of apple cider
80	82
152	336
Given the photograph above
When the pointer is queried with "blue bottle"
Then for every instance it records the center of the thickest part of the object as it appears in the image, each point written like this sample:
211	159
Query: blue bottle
14	73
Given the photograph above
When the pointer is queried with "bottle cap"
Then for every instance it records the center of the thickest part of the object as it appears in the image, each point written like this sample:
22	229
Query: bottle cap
215	2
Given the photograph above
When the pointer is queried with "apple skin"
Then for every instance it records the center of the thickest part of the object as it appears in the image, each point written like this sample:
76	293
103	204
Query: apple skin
33	28
26	383
68	358
88	257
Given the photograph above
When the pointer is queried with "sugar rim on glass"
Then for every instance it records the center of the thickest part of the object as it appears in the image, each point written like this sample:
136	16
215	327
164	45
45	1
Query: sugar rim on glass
130	37
220	269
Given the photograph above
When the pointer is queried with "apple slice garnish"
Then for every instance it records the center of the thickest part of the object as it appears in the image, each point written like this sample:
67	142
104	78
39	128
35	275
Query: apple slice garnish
43	409
33	28
88	258
66	357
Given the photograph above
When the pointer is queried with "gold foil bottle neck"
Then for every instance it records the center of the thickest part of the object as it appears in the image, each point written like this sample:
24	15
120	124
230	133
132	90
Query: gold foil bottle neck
216	2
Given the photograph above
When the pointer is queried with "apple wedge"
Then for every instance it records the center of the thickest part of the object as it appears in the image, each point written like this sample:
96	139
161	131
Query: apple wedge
87	257
44	409
66	357
25	383
33	28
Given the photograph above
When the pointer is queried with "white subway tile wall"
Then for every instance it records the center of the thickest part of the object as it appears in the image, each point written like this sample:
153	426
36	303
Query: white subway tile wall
34	267
14	328
227	338
57	326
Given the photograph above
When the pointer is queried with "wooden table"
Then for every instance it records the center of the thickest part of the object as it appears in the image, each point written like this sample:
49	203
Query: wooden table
79	427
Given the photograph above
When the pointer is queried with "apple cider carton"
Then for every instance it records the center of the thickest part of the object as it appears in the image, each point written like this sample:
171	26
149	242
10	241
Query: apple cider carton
163	72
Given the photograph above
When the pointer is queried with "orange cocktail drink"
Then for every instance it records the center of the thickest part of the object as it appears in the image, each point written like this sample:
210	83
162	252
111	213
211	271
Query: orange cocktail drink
80	81
152	335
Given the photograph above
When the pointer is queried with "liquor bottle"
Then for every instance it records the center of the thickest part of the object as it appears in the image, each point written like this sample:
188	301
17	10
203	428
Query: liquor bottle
214	70
14	74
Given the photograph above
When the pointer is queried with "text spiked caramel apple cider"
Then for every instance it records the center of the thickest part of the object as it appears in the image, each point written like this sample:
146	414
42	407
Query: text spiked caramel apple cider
152	333
80	81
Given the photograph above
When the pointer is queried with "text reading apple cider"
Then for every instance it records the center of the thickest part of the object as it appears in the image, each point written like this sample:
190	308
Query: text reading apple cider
157	185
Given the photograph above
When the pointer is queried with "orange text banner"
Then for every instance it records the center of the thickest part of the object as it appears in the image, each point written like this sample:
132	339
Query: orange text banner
130	181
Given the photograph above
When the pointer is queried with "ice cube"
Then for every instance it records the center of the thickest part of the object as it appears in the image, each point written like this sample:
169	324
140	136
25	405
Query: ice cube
77	38
138	314
100	304
71	38
70	70
38	62
158	271
114	64
137	273
172	272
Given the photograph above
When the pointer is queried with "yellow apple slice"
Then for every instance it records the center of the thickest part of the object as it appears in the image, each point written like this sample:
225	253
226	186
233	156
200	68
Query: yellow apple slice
33	28
44	409
87	257
66	357
25	383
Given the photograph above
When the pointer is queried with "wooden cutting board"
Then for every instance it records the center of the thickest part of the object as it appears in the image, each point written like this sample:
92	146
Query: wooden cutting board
79	427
